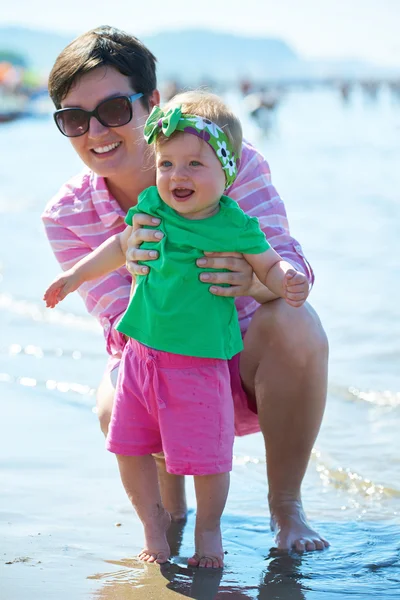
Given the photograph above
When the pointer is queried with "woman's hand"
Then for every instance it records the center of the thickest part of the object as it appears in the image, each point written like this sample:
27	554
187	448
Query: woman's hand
240	276
137	237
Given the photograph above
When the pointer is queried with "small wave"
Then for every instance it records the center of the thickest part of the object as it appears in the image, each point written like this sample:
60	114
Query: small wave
385	398
38	352
377	398
33	311
346	479
387	563
339	477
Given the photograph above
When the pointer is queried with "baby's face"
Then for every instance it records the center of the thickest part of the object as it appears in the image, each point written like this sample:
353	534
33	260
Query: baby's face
190	178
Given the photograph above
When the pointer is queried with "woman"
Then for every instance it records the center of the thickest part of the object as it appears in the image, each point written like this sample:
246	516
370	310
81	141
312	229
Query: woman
104	86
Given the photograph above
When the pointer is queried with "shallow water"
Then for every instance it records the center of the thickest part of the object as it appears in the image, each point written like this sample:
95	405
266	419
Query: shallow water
336	166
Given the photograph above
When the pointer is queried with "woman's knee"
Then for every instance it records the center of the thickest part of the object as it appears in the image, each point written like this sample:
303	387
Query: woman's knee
298	330
318	340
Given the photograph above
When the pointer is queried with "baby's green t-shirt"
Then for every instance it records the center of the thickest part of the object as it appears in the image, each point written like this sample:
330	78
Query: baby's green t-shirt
171	309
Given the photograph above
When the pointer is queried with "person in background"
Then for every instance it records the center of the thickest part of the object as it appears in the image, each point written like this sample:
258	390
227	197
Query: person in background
279	380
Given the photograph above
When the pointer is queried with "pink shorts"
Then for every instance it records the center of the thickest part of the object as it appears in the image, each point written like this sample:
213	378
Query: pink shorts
246	419
180	405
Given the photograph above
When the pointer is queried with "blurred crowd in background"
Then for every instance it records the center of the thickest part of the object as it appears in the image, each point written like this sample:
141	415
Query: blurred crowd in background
23	92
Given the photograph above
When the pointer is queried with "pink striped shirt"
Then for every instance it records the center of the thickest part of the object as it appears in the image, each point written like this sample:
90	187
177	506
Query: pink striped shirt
83	215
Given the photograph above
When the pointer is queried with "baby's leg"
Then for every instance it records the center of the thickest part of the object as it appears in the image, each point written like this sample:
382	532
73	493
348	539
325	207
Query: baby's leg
139	476
211	495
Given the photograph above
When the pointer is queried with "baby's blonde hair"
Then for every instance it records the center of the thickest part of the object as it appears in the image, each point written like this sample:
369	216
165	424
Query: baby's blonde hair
209	106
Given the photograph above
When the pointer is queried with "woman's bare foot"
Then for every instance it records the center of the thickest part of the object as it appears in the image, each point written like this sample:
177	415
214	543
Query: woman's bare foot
292	531
209	552
155	533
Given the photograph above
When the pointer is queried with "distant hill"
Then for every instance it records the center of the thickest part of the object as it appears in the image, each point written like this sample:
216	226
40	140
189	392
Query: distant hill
192	56
40	48
189	54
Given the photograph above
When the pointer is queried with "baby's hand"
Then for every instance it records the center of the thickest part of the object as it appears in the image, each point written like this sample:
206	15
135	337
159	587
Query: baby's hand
295	287
60	288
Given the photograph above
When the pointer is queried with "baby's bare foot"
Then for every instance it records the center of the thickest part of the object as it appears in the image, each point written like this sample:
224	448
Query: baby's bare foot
156	548
209	552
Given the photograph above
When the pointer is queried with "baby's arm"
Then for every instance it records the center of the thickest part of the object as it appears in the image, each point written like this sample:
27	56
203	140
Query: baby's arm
279	276
109	256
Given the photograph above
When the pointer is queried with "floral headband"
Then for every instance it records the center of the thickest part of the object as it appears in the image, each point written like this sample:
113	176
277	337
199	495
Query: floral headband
167	123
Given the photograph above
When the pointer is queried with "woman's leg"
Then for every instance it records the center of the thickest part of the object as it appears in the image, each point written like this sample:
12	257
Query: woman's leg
172	487
139	477
284	365
211	495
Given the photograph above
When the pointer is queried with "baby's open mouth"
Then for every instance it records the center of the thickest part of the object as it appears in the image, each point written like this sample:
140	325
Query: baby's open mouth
182	193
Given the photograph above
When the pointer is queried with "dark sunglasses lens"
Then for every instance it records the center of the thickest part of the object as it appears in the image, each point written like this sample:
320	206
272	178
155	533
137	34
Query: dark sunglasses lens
73	122
115	112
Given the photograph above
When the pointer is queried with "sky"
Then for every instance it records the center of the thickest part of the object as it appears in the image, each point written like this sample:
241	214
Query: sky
367	29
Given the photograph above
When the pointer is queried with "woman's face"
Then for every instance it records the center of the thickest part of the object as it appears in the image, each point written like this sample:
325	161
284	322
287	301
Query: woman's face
109	151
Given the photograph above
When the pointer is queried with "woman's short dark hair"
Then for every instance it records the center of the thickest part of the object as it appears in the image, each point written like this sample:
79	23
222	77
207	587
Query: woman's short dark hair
104	46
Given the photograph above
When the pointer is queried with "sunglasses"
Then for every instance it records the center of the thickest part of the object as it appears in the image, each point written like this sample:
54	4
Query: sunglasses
113	112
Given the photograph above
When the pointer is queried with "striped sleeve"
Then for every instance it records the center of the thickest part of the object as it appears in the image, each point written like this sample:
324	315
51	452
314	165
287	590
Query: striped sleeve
105	298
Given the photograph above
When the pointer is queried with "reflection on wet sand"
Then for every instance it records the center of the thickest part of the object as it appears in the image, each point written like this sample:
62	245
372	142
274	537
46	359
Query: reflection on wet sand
281	579
139	581
257	575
